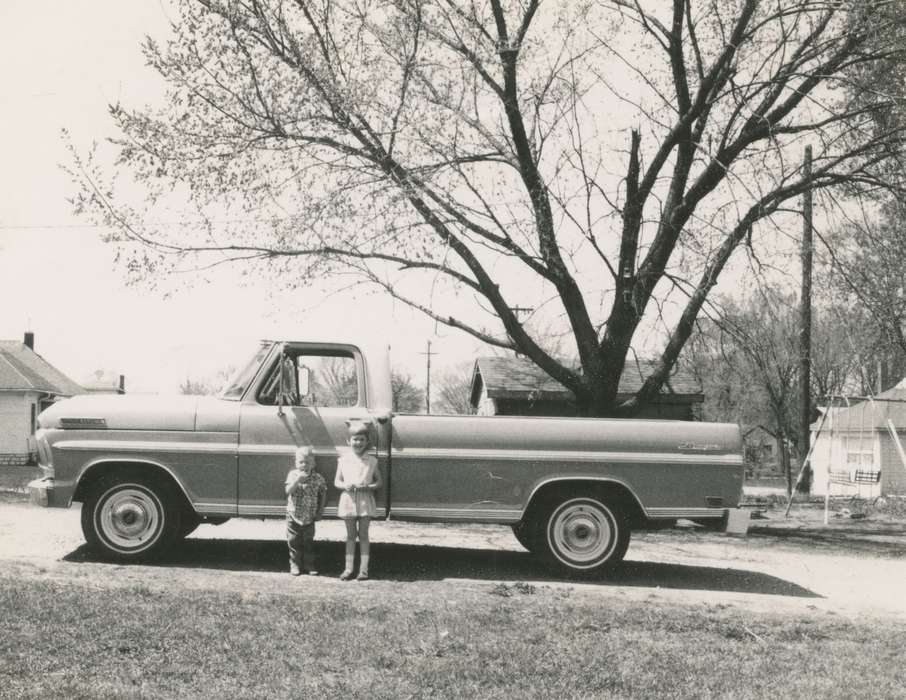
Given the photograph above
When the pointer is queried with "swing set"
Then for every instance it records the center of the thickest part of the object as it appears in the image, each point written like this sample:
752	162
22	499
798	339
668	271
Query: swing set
853	462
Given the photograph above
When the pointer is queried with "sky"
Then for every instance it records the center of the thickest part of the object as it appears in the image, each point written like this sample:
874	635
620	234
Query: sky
63	64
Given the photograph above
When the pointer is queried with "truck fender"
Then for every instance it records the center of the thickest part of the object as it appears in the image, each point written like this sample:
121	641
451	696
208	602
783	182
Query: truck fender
620	486
96	468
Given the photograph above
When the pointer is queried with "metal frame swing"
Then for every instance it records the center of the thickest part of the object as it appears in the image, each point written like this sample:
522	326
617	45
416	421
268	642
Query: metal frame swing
857	477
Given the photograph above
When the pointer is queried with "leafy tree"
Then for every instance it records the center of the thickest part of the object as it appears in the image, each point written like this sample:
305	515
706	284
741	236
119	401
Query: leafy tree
603	159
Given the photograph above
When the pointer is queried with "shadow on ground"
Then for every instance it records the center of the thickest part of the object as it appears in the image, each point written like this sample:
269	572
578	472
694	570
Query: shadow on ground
408	562
874	539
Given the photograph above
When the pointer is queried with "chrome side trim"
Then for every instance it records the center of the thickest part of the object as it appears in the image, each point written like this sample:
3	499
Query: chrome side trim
282	450
686	512
566	456
502	515
146	446
262	509
271	511
214	508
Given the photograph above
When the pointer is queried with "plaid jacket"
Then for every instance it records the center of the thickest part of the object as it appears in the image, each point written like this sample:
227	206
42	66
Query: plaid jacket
304	504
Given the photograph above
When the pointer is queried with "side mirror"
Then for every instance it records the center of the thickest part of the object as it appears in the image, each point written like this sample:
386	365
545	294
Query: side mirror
304	380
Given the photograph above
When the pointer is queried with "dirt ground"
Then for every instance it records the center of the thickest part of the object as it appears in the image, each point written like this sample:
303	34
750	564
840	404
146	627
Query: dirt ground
853	567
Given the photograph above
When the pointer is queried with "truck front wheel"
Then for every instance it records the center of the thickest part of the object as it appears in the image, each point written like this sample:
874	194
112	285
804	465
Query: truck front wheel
525	535
130	517
584	534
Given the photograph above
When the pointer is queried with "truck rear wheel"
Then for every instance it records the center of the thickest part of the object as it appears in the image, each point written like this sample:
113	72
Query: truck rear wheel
130	517
583	534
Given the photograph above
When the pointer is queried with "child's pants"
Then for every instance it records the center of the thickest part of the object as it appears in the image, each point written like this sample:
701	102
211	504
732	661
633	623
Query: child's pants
301	542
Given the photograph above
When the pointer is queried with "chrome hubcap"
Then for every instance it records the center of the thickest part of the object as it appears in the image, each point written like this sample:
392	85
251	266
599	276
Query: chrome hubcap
130	518
582	532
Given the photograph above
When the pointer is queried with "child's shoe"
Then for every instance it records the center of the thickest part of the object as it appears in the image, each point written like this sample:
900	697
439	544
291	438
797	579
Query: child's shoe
363	576
294	569
310	572
346	575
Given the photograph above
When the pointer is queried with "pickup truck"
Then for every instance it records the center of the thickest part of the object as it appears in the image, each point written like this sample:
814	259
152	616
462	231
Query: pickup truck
149	469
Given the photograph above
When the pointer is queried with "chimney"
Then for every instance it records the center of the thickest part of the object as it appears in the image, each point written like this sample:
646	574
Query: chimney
122	386
29	340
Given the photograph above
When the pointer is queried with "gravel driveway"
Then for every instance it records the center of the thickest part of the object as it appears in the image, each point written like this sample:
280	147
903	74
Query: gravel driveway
782	565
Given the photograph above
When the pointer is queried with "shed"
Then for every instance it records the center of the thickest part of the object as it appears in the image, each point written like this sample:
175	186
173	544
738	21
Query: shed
516	386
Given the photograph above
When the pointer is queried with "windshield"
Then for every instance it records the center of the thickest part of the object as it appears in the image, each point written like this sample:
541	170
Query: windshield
238	383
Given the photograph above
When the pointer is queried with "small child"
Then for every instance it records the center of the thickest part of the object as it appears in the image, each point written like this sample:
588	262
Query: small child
306	495
358	477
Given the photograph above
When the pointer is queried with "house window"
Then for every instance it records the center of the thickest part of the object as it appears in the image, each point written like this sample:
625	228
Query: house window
32	418
859	451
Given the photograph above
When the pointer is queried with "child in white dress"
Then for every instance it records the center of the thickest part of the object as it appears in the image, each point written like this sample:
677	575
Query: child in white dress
358	477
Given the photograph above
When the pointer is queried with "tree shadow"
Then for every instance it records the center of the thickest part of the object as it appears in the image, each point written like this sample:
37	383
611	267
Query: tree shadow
408	562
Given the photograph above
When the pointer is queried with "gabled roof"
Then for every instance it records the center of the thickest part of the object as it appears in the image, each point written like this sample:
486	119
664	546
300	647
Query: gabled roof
868	415
518	377
22	369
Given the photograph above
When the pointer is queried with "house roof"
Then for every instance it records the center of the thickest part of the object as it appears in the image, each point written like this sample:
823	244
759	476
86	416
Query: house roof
22	369
868	415
518	377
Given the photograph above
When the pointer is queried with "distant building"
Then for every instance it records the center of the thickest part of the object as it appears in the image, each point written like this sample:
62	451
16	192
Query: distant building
104	382
28	384
760	448
515	386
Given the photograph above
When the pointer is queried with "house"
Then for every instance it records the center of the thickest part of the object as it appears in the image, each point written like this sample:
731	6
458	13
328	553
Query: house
515	386
28	384
104	382
761	453
854	453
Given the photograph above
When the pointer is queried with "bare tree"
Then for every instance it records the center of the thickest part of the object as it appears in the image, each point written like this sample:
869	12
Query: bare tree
867	255
455	389
407	397
747	361
207	385
601	159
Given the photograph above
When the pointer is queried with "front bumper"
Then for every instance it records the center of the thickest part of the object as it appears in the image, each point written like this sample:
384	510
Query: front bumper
40	492
736	522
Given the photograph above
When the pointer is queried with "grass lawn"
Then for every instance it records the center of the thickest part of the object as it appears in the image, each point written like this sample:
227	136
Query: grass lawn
110	637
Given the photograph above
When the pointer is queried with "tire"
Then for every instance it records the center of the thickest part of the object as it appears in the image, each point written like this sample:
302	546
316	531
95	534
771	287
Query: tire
130	517
526	536
583	535
188	523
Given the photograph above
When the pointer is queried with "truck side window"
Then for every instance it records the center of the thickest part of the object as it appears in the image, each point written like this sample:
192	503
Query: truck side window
333	380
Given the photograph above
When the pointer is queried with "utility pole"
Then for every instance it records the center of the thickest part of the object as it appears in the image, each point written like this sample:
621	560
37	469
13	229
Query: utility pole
427	355
805	316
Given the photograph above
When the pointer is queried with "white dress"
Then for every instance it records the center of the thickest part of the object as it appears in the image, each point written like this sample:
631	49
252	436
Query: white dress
356	469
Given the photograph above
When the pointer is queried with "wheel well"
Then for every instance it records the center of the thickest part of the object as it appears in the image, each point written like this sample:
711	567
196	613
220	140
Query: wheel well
96	472
611	491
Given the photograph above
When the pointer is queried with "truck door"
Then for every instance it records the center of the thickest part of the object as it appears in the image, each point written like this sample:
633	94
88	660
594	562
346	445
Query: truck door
305	397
